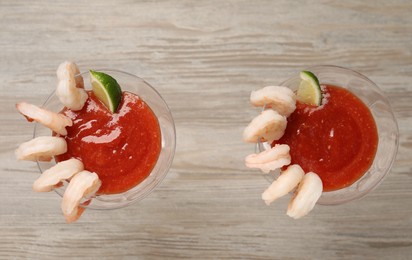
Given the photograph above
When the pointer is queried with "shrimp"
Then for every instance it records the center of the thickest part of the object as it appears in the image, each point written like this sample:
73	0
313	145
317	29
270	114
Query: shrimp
267	126
69	95
70	89
83	184
284	184
41	148
271	159
52	177
306	196
68	70
56	122
281	99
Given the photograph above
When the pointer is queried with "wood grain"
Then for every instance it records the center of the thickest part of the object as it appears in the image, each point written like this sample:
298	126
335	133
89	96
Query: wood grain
204	57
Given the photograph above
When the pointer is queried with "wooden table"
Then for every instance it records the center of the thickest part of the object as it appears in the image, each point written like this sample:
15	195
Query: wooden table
204	57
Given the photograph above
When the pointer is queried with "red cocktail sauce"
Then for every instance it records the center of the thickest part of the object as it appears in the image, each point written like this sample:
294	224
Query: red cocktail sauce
122	148
338	140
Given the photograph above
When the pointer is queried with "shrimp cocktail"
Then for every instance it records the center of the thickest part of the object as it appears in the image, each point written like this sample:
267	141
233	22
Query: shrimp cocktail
328	132
108	147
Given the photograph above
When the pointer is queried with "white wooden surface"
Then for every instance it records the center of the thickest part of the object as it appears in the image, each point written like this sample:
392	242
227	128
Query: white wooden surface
204	57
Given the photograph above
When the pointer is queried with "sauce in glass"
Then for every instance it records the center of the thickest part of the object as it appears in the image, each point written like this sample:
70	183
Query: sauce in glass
122	148
338	140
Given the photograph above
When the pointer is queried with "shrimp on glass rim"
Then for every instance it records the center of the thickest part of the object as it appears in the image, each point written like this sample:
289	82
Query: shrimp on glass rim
269	160
83	185
41	148
306	195
52	177
279	98
70	88
267	126
285	183
56	122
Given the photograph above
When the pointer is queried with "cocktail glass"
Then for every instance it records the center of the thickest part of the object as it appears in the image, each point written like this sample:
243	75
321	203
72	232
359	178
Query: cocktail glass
386	124
144	90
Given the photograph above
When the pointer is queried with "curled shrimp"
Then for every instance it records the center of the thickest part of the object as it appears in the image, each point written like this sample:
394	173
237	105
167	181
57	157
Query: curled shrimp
281	99
67	70
84	184
41	148
52	177
70	93
285	183
56	122
271	159
267	126
306	196
70	96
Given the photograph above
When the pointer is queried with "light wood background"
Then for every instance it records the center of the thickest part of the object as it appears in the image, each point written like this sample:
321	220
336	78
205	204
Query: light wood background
204	57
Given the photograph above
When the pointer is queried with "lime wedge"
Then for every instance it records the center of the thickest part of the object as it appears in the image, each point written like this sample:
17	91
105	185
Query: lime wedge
309	91
106	89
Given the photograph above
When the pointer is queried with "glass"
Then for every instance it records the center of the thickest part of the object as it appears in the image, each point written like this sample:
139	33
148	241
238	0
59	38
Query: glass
385	120
136	85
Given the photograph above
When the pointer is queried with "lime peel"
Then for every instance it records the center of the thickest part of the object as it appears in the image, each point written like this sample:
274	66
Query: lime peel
106	89
309	91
